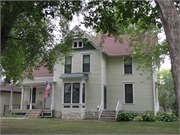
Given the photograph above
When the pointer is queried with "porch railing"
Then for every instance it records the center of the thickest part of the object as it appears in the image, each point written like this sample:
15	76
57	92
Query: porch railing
100	110
6	108
118	108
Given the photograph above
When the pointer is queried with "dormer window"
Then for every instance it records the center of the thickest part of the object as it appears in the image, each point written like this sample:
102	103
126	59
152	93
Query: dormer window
77	44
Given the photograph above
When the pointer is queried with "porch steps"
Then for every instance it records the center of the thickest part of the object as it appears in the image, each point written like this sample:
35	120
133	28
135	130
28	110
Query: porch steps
34	113
108	115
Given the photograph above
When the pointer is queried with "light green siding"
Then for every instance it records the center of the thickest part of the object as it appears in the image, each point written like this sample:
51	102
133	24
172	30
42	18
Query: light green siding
5	98
143	99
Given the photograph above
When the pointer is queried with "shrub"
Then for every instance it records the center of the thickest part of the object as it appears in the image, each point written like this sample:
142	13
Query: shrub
163	116
174	107
148	116
124	116
138	118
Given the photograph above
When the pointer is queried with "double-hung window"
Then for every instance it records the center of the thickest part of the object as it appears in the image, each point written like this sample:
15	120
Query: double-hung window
86	63
72	92
128	66
128	91
68	64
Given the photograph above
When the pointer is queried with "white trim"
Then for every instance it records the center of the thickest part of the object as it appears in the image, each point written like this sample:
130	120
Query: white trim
22	95
124	93
54	73
52	97
101	78
39	78
82	54
132	67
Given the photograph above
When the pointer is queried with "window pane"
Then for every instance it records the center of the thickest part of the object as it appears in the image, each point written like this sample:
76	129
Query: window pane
68	65
80	44
86	58
75	44
128	93
86	63
67	93
76	92
128	65
83	93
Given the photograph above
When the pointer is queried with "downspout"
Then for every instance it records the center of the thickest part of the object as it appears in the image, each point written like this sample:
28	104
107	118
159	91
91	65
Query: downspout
101	78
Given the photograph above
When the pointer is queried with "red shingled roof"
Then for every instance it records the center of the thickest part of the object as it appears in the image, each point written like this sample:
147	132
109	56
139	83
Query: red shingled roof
115	48
42	72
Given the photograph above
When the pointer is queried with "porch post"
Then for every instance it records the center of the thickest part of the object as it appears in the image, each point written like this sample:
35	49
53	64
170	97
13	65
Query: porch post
22	96
52	97
31	98
81	86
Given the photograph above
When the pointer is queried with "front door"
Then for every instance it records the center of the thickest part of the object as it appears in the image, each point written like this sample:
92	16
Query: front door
105	97
48	100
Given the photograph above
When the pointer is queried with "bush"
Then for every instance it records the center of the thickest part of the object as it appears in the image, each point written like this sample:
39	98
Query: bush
174	108
148	116
138	118
124	116
163	116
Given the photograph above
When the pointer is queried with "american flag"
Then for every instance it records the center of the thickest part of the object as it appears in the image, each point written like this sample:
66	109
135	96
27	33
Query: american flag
46	90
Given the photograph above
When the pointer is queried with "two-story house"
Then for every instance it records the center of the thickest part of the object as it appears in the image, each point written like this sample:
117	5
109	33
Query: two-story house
92	79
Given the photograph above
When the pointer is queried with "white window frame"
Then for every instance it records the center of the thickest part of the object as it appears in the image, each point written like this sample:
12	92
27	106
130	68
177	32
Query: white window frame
77	44
132	67
124	92
80	96
65	63
82	62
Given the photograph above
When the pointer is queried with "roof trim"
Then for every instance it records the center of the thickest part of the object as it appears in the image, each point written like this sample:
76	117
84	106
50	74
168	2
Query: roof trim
38	83
73	75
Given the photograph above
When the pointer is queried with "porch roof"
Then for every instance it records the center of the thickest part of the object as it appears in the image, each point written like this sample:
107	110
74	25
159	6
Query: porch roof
38	83
73	75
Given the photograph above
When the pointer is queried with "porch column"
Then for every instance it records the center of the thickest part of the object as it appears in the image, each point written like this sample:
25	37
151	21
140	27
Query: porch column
22	96
31	98
11	98
81	86
52	97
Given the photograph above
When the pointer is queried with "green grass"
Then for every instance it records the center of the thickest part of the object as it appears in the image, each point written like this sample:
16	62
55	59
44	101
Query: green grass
54	126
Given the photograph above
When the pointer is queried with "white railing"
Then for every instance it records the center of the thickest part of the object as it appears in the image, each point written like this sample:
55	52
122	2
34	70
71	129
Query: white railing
100	110
118	107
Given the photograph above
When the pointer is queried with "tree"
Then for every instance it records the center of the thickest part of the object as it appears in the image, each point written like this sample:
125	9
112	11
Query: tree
165	90
27	38
102	16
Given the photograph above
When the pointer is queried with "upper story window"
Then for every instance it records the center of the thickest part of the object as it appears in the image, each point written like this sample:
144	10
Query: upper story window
77	44
128	66
86	63
68	65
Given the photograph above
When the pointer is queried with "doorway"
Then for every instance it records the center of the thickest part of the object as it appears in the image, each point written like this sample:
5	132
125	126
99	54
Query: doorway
47	101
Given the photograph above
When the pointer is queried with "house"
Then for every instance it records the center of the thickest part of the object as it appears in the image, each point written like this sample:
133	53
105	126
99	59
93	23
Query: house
5	92
92	80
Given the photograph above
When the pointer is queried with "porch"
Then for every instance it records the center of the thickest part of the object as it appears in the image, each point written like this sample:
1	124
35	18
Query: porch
34	113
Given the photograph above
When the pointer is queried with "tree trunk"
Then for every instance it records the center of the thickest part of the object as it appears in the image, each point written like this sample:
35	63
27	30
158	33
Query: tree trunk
9	14
170	20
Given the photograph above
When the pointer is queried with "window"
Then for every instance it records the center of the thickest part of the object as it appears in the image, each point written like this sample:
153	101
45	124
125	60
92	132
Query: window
76	92
83	93
33	95
128	89
67	93
86	63
128	66
68	64
77	44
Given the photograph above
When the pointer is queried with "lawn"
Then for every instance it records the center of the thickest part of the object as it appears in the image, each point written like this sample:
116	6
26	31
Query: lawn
55	126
